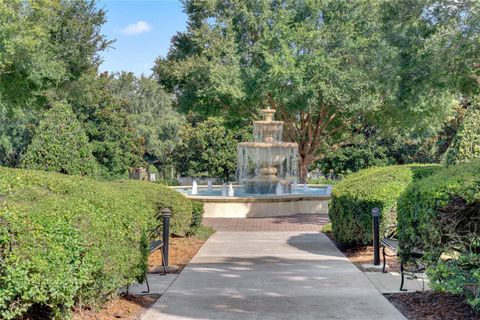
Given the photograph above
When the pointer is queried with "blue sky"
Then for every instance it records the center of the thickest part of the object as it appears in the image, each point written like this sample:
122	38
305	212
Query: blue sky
142	30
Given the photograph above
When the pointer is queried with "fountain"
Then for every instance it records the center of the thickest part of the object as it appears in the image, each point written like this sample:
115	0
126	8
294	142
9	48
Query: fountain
267	176
268	161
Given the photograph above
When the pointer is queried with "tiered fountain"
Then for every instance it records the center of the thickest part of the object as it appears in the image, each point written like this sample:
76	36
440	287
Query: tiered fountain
267	180
268	165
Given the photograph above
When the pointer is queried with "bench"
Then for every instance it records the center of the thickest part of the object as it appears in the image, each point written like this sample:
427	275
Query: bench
390	241
153	246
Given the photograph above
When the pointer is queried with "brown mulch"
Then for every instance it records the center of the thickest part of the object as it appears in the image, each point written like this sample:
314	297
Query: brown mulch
360	255
181	252
130	307
413	305
126	307
432	306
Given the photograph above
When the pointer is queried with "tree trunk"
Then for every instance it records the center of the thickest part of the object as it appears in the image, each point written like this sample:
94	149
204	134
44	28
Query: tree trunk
303	170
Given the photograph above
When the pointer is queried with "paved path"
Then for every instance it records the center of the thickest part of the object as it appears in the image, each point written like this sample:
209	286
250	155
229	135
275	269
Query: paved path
298	222
271	276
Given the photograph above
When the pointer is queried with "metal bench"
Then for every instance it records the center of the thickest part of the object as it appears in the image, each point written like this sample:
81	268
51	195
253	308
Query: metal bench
390	241
154	245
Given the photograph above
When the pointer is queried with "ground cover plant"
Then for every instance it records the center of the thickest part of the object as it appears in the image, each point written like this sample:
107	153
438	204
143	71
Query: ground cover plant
441	215
67	240
354	197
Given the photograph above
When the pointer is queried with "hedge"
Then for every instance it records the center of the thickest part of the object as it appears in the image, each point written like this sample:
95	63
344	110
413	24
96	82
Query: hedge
67	240
354	197
441	215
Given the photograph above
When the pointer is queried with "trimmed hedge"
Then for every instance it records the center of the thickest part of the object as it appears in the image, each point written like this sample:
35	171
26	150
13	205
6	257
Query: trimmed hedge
197	215
354	197
67	239
441	215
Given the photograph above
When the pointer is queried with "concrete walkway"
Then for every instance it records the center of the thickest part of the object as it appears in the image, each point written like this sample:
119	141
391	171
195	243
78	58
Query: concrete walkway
271	276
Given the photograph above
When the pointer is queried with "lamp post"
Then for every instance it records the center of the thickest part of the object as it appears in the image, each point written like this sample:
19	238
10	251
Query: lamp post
376	236
166	214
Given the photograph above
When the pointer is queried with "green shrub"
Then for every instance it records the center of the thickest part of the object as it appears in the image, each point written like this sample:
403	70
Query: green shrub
466	145
354	197
197	215
60	144
441	215
69	239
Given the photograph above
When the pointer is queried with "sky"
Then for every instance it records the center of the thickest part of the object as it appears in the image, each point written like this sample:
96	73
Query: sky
142	30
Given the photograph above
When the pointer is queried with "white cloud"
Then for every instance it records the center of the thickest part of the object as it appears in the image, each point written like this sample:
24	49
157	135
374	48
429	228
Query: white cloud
136	28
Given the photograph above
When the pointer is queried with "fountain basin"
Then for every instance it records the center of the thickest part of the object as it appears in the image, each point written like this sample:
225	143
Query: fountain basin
244	205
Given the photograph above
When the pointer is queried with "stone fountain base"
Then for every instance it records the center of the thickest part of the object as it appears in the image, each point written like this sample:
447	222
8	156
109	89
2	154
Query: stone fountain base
262	206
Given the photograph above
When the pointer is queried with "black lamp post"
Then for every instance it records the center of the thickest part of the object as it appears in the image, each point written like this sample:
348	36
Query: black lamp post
166	214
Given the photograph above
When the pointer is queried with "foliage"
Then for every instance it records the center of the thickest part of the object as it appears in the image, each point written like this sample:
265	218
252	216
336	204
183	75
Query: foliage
441	215
353	158
60	144
466	145
209	149
69	239
197	216
45	45
354	197
317	62
152	115
115	143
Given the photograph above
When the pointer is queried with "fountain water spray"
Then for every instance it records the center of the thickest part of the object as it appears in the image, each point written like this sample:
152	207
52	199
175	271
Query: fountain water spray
224	190
231	192
305	187
268	161
194	187
294	185
209	186
279	189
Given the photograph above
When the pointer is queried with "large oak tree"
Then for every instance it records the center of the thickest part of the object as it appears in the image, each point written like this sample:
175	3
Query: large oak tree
318	63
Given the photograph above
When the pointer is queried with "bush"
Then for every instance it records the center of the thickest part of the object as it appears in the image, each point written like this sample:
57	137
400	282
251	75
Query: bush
441	215
197	215
354	197
466	145
60	144
69	239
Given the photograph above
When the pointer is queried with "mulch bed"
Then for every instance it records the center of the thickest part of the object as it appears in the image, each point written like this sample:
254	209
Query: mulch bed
432	306
125	307
128	307
360	255
413	305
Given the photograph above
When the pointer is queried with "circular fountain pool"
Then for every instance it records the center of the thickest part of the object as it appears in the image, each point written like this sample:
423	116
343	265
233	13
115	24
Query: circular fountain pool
243	205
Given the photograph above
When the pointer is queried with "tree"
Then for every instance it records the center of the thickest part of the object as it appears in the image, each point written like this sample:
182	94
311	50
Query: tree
316	62
152	114
44	47
115	142
466	145
60	144
209	149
